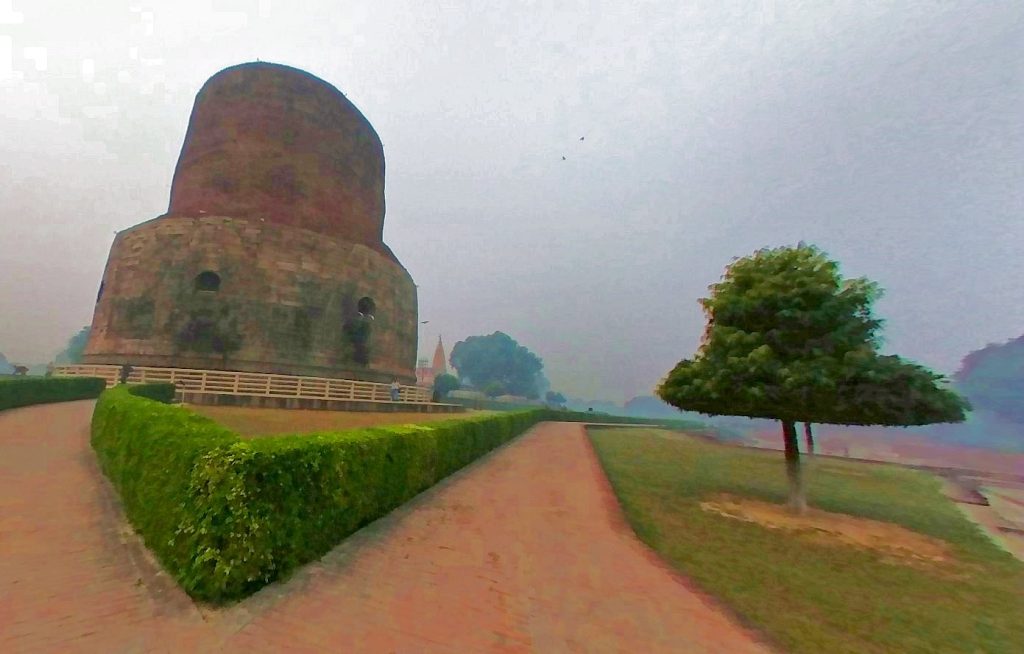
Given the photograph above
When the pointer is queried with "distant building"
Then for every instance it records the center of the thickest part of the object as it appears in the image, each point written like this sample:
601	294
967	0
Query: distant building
427	373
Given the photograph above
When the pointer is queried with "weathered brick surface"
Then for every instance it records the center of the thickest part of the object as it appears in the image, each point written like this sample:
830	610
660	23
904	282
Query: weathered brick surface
73	578
273	142
524	551
287	292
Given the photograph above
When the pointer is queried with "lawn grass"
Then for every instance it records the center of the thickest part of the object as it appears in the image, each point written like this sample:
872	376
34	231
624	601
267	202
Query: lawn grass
802	594
255	422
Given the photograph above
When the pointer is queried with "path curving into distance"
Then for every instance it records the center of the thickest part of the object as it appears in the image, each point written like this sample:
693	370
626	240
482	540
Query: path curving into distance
522	551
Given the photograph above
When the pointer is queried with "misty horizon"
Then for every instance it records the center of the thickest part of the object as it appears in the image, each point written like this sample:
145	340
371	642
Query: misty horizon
890	138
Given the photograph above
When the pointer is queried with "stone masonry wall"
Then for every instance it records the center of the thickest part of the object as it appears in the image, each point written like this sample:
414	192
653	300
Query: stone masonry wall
288	302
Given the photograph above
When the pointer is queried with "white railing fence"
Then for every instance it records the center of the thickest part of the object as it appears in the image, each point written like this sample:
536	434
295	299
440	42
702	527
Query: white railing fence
250	383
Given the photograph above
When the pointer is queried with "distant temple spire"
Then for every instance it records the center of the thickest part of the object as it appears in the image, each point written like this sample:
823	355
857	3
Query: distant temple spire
427	372
440	366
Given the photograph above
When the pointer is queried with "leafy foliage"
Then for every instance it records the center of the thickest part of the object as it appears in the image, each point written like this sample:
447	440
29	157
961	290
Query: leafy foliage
444	384
494	389
151	454
26	391
788	338
551	397
498	358
161	392
72	352
993	379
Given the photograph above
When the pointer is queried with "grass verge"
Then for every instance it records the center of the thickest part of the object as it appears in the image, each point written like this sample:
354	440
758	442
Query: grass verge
804	592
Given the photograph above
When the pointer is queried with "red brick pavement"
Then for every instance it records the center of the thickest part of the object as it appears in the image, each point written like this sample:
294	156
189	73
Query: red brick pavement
73	577
524	551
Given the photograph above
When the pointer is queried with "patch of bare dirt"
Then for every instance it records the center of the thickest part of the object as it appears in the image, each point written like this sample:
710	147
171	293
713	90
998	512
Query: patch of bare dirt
898	544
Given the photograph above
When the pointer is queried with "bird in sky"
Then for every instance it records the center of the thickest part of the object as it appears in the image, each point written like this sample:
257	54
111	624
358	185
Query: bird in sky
581	138
563	158
424	322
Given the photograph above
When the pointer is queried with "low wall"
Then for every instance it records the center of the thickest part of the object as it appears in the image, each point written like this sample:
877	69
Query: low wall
244	383
267	402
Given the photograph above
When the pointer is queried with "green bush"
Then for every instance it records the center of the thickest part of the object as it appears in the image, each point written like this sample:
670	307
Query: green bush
149	451
25	391
161	392
227	516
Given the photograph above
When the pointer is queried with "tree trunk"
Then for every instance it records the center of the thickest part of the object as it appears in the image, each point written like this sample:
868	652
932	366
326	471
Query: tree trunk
809	438
797	497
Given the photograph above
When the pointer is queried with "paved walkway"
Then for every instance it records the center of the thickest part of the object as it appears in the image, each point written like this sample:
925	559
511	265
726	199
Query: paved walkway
524	551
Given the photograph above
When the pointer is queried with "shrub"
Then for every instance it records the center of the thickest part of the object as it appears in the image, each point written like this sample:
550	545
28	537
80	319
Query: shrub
149	452
227	516
161	392
41	390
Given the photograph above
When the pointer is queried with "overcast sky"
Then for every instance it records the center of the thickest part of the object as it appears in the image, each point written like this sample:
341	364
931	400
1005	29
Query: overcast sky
891	134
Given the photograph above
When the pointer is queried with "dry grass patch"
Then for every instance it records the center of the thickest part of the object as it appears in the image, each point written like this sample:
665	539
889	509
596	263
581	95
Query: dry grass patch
899	544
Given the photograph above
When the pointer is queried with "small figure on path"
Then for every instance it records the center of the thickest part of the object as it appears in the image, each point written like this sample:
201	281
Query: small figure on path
396	388
126	370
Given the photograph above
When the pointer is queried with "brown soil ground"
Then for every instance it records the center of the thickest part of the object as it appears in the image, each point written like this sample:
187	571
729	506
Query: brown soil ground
898	544
254	422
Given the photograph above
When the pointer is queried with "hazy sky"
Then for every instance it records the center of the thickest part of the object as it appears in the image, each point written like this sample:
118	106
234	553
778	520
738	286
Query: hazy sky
891	134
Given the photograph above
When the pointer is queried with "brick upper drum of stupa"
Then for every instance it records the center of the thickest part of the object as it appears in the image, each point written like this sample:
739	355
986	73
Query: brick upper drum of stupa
271	256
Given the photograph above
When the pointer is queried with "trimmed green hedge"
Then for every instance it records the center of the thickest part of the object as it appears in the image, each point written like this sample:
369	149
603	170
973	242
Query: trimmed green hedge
227	516
25	391
161	392
149	452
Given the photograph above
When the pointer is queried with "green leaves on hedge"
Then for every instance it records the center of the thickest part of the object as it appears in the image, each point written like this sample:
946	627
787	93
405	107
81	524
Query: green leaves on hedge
26	391
161	392
227	516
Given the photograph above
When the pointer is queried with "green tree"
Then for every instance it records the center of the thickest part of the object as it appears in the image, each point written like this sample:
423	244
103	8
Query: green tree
993	379
482	360
494	389
444	384
552	397
789	339
72	352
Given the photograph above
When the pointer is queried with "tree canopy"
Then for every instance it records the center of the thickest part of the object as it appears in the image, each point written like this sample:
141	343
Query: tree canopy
551	397
72	352
788	338
444	384
497	359
993	379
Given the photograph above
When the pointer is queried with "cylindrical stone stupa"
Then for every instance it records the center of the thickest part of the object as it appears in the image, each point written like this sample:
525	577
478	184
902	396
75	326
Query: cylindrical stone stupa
271	256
